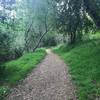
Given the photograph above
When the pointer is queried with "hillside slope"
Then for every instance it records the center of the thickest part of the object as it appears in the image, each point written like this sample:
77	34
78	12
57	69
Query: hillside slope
84	62
18	69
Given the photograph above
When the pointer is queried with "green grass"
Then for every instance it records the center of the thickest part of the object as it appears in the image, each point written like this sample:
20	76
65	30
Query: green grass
16	70
84	62
95	36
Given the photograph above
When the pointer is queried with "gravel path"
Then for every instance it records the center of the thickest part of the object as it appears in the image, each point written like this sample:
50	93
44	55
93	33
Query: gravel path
49	81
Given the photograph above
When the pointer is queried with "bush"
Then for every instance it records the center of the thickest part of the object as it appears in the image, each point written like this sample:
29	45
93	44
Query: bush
3	92
50	40
4	46
2	73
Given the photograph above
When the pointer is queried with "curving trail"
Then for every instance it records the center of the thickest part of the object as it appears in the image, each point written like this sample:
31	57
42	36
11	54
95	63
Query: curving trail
49	81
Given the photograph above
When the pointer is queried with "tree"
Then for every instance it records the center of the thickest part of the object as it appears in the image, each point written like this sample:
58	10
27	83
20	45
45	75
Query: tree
74	18
93	9
39	23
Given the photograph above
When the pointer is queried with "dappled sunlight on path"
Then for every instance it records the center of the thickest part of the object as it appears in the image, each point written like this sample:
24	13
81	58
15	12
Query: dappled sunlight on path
48	51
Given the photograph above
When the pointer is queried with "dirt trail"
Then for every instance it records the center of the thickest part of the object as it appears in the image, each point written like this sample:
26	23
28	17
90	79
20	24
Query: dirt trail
49	81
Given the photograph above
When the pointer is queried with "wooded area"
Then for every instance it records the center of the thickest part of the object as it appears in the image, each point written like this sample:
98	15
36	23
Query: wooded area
26	25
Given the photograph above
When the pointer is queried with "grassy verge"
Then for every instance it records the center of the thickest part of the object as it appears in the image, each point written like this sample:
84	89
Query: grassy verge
17	69
84	62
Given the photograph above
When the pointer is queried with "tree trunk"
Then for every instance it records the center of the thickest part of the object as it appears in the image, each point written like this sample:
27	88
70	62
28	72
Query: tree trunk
72	38
39	41
93	10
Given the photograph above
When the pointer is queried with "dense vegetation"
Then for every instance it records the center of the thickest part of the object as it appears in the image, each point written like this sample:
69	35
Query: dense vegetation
26	25
84	62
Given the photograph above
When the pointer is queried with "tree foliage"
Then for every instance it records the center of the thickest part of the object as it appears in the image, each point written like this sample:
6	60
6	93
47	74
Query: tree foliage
24	23
76	17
